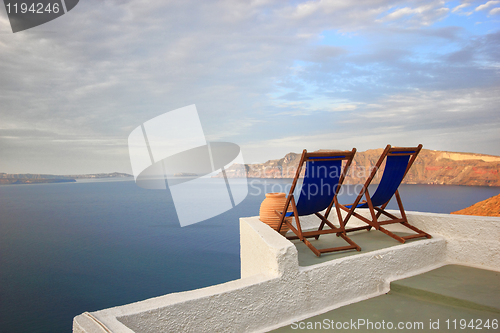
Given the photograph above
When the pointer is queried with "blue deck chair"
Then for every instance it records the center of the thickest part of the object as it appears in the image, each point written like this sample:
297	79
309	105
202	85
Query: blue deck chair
399	161
322	180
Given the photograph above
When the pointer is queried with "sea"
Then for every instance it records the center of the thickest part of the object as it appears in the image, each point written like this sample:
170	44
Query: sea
67	248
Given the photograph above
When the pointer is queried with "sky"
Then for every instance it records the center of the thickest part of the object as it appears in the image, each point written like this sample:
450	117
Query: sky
271	76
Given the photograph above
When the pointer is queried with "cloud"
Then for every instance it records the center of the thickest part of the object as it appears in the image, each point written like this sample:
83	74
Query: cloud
441	120
355	15
389	68
423	15
460	7
486	5
323	53
495	11
258	71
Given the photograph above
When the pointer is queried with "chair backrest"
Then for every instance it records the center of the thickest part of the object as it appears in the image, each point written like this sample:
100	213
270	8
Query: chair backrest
322	179
399	161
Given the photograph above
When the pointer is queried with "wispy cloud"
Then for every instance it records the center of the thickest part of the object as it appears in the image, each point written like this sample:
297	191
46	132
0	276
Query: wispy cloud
460	7
423	15
487	5
495	11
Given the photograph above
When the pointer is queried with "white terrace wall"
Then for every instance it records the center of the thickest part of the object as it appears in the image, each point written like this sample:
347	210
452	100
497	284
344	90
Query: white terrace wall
470	240
274	290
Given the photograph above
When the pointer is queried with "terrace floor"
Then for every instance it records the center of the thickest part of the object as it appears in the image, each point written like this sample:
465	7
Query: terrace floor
368	241
450	298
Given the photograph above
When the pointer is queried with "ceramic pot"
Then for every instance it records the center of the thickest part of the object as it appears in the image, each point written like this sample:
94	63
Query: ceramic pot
272	202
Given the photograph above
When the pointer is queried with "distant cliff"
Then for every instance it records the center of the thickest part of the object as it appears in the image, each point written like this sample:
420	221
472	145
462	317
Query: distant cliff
101	175
28	178
430	167
488	207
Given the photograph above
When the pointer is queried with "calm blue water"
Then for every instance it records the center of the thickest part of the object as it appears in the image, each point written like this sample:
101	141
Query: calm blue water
75	247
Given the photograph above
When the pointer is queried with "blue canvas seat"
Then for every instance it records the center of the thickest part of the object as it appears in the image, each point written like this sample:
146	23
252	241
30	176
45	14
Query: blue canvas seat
398	162
322	180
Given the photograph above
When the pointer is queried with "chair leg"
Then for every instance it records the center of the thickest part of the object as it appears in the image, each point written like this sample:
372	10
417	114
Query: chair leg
309	245
419	232
368	227
375	223
337	230
333	229
388	233
348	240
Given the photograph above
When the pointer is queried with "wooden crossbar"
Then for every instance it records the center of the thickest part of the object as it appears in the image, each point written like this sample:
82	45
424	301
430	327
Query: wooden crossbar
335	249
310	234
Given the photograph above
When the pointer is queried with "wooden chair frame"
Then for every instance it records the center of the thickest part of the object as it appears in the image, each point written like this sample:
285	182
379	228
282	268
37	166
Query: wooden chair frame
340	231
375	211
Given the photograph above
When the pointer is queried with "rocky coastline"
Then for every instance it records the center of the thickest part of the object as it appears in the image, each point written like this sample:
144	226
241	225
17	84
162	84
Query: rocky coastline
431	168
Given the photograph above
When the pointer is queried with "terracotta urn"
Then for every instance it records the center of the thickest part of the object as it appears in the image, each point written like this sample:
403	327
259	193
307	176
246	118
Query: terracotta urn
272	202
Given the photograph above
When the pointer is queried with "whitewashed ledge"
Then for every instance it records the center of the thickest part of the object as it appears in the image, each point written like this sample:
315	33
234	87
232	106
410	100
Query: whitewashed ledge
274	290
